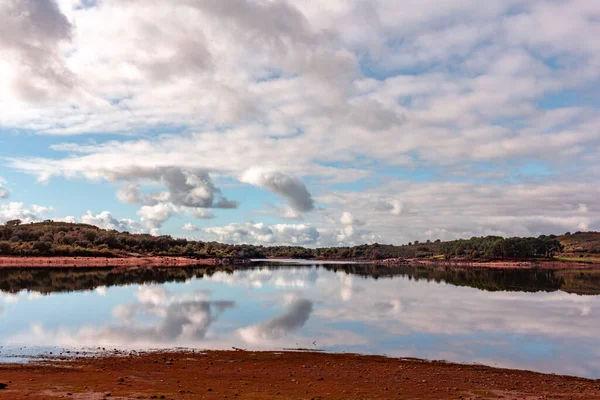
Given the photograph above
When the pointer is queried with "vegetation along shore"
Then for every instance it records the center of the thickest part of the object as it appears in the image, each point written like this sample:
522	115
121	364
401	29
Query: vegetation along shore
72	245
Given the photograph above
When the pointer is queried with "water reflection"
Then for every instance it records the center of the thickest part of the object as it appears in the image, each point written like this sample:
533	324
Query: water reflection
522	319
45	280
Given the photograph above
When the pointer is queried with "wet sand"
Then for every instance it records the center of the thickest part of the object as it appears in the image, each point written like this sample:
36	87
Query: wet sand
273	375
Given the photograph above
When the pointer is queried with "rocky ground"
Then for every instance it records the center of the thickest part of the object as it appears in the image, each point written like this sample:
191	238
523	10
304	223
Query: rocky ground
278	375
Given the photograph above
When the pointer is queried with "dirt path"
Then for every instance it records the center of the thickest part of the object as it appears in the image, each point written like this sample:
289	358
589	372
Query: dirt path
272	375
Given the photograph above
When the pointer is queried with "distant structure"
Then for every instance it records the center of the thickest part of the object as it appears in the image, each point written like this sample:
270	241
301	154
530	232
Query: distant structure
48	221
14	222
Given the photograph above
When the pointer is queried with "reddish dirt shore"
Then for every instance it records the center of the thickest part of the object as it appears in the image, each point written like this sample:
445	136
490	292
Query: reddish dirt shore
104	262
551	264
286	375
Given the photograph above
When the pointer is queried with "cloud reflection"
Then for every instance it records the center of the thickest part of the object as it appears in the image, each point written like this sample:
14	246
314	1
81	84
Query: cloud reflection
290	321
267	308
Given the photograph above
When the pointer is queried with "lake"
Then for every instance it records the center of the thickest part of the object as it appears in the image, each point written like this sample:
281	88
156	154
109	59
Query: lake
547	321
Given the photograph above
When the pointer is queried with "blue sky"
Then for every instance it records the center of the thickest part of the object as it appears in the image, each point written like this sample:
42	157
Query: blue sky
302	123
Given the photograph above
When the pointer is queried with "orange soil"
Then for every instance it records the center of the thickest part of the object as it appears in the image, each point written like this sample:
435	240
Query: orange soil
103	262
550	264
285	375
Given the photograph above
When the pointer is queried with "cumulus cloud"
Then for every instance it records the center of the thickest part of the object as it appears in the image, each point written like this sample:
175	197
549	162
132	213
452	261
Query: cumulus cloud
106	220
201	213
450	210
191	192
286	186
190	227
130	193
394	207
349	219
192	189
187	188
31	33
279	327
260	233
17	210
154	216
176	318
459	92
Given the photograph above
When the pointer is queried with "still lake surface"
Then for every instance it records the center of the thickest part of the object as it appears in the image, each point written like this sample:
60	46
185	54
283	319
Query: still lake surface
546	321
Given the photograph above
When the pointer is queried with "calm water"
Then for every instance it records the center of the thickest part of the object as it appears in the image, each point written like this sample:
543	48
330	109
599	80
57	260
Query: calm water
539	320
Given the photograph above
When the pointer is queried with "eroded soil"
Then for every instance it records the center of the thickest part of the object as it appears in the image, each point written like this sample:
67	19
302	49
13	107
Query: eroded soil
284	375
88	262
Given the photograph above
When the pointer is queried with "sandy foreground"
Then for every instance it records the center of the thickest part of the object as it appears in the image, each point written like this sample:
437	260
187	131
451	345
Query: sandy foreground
278	375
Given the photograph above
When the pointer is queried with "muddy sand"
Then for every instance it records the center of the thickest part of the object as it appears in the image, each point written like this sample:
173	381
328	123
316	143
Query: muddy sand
278	375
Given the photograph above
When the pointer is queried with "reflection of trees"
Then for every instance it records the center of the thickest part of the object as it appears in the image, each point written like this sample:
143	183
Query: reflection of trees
574	281
46	280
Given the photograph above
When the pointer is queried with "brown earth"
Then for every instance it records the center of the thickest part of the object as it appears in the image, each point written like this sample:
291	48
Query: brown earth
283	375
510	264
15	261
165	261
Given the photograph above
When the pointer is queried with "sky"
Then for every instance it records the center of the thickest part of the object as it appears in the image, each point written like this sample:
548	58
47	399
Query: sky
302	122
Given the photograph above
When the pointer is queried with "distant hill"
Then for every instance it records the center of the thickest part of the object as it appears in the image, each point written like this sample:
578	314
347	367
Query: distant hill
66	239
581	243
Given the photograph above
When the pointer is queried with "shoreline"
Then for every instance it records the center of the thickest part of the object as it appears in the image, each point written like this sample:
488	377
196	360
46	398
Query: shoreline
100	262
244	374
550	264
181	261
498	264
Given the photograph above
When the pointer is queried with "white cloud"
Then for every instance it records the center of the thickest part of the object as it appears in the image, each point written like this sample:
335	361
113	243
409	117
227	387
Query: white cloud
259	233
30	36
449	210
41	210
349	219
106	220
292	189
201	213
279	327
130	193
17	210
337	93
176	317
190	227
154	216
394	207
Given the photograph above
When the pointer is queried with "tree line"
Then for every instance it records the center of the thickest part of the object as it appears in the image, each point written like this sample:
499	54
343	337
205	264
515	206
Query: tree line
67	239
496	247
